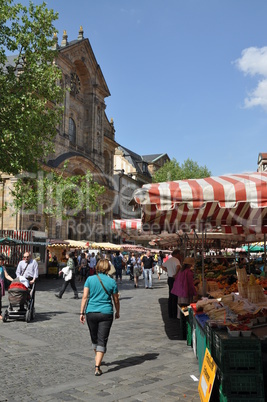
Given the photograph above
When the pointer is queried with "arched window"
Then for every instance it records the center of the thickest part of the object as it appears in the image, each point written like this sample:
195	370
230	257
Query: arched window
72	131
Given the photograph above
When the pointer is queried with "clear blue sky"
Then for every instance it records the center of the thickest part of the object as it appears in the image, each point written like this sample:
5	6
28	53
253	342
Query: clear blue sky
187	77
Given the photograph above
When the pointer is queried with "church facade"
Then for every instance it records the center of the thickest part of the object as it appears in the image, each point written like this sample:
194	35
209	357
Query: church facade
85	140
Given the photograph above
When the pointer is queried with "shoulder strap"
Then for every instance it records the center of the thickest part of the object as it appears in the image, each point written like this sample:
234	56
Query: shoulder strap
102	285
25	269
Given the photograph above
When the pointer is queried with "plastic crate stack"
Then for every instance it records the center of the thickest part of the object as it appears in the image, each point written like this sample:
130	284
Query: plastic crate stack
240	370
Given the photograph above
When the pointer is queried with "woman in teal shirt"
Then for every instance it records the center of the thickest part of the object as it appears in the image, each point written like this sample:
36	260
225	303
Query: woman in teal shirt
99	290
3	275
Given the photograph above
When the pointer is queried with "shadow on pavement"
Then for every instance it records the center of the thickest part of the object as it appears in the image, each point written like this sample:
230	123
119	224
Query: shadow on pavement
130	361
48	316
172	325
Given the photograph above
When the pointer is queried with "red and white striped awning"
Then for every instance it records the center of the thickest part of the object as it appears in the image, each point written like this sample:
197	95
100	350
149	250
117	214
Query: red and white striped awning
126	224
235	203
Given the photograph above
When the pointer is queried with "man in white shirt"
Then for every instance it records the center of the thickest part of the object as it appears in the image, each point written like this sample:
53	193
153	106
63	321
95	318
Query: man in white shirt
172	266
28	269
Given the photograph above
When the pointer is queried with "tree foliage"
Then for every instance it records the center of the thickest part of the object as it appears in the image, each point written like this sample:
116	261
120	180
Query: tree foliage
56	194
173	171
30	96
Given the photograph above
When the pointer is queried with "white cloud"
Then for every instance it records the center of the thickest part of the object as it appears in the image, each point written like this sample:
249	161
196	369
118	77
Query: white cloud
258	97
254	62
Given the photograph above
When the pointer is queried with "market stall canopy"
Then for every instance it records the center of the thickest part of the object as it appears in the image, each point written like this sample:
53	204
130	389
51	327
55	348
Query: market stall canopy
7	241
132	247
126	224
254	248
57	243
211	240
215	238
235	204
77	243
105	246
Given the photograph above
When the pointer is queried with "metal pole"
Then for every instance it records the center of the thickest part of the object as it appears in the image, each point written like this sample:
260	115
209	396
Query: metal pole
203	266
265	266
195	251
248	259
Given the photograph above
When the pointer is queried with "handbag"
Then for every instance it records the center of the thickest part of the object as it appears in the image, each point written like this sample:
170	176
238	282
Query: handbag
112	269
67	273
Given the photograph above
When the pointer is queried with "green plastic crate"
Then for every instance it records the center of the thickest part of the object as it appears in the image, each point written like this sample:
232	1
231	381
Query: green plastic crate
191	316
243	386
242	355
201	345
224	398
209	335
189	334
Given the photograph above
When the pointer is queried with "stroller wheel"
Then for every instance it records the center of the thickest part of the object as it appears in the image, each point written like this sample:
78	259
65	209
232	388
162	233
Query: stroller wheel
33	314
5	316
28	316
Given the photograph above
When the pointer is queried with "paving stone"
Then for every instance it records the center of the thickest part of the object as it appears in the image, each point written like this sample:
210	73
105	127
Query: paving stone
50	359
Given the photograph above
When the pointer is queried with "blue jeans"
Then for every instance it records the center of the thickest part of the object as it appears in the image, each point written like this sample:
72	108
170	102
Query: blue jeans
118	273
148	277
99	325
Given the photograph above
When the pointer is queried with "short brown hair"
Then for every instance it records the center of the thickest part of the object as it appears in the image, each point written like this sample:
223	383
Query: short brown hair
103	266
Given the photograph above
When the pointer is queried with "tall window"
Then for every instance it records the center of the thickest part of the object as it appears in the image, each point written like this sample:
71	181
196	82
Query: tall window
72	131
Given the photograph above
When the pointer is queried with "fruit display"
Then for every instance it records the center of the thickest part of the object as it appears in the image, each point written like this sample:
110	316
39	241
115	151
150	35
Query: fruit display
223	280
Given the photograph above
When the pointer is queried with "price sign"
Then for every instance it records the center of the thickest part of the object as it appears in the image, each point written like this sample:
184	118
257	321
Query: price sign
207	377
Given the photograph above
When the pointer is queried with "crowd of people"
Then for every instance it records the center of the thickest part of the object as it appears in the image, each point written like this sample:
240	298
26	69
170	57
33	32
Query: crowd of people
101	274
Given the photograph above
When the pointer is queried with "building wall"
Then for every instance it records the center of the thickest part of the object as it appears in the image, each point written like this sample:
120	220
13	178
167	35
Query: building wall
91	148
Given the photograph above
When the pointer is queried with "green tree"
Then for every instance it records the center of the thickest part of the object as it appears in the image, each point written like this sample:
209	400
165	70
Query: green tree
30	92
173	171
56	195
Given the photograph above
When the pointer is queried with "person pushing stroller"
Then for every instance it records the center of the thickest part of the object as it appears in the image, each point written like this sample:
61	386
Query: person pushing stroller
28	269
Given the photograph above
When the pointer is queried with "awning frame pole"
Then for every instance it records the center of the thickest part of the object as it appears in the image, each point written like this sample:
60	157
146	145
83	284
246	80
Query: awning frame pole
195	250
249	258
203	265
265	265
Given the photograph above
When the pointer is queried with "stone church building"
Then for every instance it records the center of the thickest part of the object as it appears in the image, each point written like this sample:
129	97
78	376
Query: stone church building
85	139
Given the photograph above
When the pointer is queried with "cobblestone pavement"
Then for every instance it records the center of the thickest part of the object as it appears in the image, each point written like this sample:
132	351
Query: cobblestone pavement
50	358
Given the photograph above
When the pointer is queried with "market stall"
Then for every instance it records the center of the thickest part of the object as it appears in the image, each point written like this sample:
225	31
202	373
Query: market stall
235	205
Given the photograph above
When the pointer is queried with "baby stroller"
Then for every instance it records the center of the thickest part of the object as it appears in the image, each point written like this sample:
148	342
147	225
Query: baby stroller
20	302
